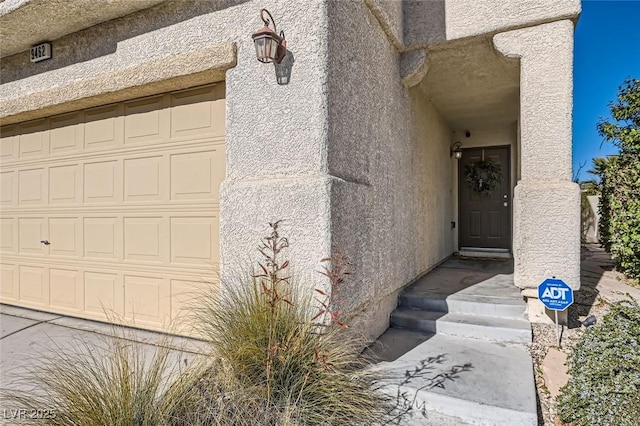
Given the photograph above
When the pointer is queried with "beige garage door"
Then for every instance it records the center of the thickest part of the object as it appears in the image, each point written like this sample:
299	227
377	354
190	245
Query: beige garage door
127	198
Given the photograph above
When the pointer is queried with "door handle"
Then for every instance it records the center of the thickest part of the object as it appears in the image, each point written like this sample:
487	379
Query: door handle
45	242
505	204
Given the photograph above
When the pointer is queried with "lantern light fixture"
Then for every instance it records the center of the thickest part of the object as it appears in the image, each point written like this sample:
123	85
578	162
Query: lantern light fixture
456	151
270	47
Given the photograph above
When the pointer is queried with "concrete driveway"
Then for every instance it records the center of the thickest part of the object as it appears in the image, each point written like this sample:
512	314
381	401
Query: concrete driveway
27	335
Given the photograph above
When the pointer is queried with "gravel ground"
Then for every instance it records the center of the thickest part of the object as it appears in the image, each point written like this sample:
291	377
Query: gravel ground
601	286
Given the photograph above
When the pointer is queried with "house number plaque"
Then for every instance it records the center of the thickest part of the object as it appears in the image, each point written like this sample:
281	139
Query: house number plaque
41	52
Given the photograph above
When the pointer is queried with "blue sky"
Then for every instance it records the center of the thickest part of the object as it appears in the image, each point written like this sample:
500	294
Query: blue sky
607	50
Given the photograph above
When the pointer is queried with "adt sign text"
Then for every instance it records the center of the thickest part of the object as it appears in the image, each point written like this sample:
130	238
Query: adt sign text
555	294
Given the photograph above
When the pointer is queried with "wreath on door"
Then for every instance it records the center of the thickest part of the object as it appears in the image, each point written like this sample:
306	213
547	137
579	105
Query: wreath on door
483	176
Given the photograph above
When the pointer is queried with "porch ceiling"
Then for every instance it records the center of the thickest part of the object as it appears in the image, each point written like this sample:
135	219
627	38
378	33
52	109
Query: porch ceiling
472	85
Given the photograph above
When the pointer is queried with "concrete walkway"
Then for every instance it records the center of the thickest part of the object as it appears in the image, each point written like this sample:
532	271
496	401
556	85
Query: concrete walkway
457	347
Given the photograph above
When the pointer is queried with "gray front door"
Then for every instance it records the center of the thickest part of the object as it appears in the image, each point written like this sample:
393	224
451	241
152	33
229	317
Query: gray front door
485	218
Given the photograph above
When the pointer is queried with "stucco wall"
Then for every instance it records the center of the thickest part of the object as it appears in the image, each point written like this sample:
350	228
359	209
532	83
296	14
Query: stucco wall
467	18
431	193
424	22
166	30
545	197
24	23
391	207
413	24
389	14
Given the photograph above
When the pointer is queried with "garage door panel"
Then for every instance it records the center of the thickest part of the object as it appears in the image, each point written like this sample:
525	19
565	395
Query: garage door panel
128	197
67	134
65	289
199	273
197	112
8	143
65	185
103	127
31	231
33	284
64	236
8	235
102	237
193	240
102	182
197	175
101	293
145	239
146	120
145	179
9	288
8	189
182	294
184	290
147	299
34	139
32	187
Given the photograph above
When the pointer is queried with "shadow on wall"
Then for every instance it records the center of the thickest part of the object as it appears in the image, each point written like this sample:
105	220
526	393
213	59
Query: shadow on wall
102	39
284	68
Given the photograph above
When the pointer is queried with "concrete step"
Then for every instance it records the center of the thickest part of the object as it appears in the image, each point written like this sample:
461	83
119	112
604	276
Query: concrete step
455	288
495	329
478	382
462	303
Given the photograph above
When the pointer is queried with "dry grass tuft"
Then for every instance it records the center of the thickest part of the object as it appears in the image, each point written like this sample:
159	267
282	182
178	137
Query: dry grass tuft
291	350
114	381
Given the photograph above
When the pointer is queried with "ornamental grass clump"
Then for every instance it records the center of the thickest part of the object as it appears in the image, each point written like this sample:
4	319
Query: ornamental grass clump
291	349
114	381
604	387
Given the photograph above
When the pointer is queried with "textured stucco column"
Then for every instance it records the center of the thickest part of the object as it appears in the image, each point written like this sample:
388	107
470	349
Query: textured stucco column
276	149
546	201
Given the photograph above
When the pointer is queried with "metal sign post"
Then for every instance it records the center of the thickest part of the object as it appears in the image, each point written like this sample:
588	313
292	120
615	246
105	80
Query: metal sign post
557	329
556	295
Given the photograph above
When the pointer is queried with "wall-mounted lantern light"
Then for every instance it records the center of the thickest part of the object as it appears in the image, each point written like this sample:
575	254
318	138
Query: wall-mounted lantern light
270	47
455	150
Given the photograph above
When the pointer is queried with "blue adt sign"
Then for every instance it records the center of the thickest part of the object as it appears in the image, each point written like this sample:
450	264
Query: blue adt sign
555	294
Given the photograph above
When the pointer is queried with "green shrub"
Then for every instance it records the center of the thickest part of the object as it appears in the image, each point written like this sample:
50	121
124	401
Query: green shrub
604	368
620	212
620	181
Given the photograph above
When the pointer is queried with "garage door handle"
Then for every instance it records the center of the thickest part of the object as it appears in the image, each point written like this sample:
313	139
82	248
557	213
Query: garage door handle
45	242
